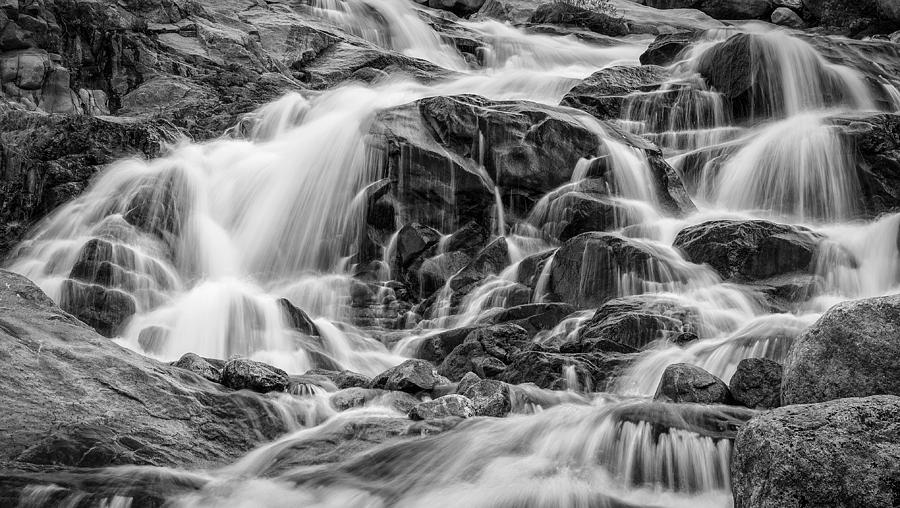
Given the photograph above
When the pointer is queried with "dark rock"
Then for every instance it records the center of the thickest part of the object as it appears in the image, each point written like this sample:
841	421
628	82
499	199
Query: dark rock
434	272
720	9
297	319
412	240
443	407
586	271
682	382
740	69
343	379
533	317
604	92
875	139
106	310
851	351
749	250
411	376
839	453
199	366
563	13
667	47
485	352
244	374
491	260
547	369
435	348
469	239
459	7
757	383
630	323
119	407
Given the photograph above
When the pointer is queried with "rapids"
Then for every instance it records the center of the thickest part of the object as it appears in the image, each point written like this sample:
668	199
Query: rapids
275	207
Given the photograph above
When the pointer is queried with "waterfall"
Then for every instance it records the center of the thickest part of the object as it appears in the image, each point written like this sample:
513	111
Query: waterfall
215	247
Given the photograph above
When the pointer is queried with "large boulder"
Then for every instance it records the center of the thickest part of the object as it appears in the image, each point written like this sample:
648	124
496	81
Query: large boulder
604	92
554	370
851	351
845	452
601	19
757	383
875	139
682	382
666	48
587	270
749	250
489	397
120	407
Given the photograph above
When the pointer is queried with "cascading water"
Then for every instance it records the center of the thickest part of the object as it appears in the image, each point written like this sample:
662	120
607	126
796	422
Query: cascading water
202	245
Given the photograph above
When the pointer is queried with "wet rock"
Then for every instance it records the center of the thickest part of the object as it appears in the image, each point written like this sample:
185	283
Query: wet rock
297	319
548	368
749	250
436	271
107	310
343	379
244	374
120	407
719	9
411	376
533	317
485	352
436	347
682	382
666	48
595	20
587	270
443	407
468	239
757	383
838	453
876	141
459	7
630	323
851	351
489	397
352	397
786	17
412	240
491	260
604	92
199	366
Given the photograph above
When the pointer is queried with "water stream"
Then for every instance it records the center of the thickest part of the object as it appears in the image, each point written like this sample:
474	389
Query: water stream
210	236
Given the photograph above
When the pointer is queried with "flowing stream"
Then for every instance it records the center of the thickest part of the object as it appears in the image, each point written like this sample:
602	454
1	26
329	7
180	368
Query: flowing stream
275	210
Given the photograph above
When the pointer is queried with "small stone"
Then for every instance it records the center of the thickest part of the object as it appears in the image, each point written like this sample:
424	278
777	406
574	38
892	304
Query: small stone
757	383
786	17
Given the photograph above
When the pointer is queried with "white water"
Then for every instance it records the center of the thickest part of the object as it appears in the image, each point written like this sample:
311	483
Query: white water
211	235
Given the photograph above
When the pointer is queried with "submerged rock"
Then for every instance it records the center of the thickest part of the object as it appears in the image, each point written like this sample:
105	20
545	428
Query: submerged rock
241	374
844	452
851	351
757	383
443	407
682	382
